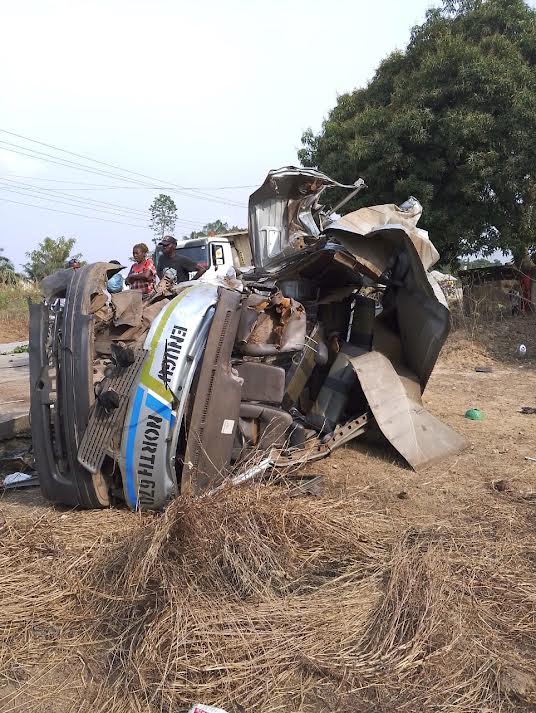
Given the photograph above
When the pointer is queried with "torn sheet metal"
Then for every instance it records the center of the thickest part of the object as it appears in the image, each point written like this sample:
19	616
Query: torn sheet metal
420	438
271	325
367	220
281	212
127	308
316	450
216	409
438	292
411	310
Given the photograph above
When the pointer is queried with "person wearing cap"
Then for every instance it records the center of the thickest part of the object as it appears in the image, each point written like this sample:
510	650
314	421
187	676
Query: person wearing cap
180	263
73	263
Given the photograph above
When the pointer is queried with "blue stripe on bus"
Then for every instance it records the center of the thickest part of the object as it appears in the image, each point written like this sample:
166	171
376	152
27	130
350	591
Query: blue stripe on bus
132	494
159	407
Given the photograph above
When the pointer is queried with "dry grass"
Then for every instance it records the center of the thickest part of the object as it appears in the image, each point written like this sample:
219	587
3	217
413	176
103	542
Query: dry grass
492	337
14	312
270	602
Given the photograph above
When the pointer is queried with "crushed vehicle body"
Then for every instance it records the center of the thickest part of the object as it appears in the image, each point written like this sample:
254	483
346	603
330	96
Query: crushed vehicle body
333	329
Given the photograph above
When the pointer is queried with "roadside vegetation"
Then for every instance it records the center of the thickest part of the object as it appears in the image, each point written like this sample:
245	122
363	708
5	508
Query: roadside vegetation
451	120
16	289
14	309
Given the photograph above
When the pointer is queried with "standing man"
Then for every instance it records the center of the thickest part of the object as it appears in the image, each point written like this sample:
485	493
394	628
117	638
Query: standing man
181	264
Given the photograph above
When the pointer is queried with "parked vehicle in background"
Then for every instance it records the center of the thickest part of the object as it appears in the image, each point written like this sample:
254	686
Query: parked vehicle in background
216	251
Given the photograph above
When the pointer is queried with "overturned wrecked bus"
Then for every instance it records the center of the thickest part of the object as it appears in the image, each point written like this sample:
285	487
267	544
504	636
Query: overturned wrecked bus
333	328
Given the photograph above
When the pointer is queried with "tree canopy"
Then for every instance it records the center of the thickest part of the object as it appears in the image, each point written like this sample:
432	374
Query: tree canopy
466	263
163	216
216	227
50	255
452	121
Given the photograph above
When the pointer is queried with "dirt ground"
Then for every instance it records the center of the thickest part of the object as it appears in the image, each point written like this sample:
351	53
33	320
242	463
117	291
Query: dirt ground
13	330
497	448
493	480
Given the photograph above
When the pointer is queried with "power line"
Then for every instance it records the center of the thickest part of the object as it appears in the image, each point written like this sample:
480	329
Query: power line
85	201
49	158
82	156
113	166
79	202
31	153
66	212
91	186
28	194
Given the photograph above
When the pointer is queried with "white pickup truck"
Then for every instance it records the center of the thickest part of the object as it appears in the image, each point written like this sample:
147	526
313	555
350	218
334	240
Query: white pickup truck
215	251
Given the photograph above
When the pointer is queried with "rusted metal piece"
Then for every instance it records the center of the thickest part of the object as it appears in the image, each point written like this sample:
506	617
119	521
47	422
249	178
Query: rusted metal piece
271	325
316	450
395	401
217	406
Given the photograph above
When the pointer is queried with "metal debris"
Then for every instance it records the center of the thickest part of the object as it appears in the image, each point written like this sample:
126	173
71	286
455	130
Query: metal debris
334	327
14	481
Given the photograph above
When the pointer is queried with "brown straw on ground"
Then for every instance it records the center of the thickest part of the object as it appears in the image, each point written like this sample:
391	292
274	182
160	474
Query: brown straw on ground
255	599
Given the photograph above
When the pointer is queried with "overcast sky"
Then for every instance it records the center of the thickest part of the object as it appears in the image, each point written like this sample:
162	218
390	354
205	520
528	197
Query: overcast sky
201	94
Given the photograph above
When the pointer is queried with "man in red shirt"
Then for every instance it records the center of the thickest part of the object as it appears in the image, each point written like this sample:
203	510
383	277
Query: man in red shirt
142	275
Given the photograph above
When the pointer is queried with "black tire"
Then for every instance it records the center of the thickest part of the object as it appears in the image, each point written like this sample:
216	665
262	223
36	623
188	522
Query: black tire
59	415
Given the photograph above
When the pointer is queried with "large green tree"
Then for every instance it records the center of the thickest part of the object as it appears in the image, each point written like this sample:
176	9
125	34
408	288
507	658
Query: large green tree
50	255
163	216
452	121
216	227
